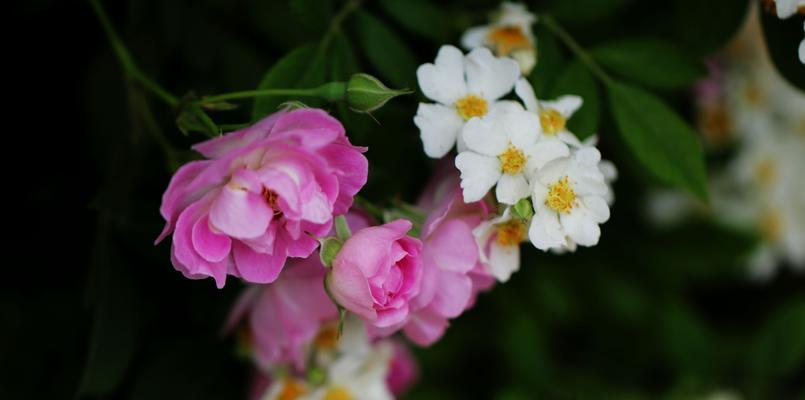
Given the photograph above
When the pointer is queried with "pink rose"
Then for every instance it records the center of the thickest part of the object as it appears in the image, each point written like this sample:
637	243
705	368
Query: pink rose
452	272
247	208
283	317
377	272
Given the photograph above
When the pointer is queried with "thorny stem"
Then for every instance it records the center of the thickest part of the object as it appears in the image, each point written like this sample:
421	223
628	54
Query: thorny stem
126	61
574	46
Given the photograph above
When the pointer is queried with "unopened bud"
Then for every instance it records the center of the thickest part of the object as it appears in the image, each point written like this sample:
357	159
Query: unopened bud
365	93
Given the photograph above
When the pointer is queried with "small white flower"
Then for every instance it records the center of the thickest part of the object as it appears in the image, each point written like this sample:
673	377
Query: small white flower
568	198
508	35
502	149
787	8
463	87
499	241
553	115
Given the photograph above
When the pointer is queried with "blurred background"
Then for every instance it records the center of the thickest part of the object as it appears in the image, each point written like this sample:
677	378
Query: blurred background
92	309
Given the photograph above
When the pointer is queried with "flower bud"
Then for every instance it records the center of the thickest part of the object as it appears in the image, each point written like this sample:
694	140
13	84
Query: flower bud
366	93
524	209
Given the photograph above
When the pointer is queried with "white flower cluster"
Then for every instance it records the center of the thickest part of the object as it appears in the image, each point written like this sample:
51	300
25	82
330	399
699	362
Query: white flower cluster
745	103
523	149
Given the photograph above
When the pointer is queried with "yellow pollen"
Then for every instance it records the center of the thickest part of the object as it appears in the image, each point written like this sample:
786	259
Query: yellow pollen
507	39
770	226
337	393
561	196
552	121
291	390
512	161
471	106
327	337
766	172
510	233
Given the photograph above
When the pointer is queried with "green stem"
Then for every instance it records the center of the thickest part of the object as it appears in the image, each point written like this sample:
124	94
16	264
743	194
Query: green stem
337	21
574	46
258	93
125	59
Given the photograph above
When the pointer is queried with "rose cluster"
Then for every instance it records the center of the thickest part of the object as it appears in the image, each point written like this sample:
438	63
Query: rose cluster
329	324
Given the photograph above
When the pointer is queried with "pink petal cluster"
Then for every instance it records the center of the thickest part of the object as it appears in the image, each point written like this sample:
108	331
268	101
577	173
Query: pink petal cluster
377	272
260	191
453	274
283	317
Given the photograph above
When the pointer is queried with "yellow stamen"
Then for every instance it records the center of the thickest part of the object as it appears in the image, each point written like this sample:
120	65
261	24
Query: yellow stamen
327	337
337	393
561	196
770	226
552	121
291	390
766	172
507	39
471	106
510	233
512	161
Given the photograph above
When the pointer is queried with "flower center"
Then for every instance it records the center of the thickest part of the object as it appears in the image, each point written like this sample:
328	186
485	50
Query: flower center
770	226
291	390
471	106
766	172
552	121
507	39
510	233
271	198
561	196
327	337
512	161
337	393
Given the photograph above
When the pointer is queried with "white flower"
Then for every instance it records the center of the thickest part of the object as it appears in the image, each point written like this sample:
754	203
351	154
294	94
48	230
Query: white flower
463	87
568	198
509	34
499	241
503	148
787	8
553	115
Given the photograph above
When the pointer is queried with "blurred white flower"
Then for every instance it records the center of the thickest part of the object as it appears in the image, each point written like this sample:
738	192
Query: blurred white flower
787	8
499	244
503	148
569	201
508	35
463	87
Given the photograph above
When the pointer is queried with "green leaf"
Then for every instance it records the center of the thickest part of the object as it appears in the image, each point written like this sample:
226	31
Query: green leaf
704	27
576	79
549	62
419	17
388	54
782	39
659	138
302	67
312	15
652	62
780	348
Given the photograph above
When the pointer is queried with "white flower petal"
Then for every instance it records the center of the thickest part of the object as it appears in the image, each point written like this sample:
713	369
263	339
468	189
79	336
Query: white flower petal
489	76
566	105
569	138
587	156
545	231
484	136
522	128
597	207
553	170
439	127
787	8
512	188
525	92
581	227
503	261
475	37
541	153
443	81
478	174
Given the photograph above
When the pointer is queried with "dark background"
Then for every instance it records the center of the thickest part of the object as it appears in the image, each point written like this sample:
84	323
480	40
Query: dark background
91	309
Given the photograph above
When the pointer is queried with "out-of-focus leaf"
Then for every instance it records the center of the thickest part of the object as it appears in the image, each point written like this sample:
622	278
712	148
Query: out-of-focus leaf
782	39
419	17
780	348
115	328
312	15
576	79
549	62
297	68
705	26
659	138
385	50
653	62
688	341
